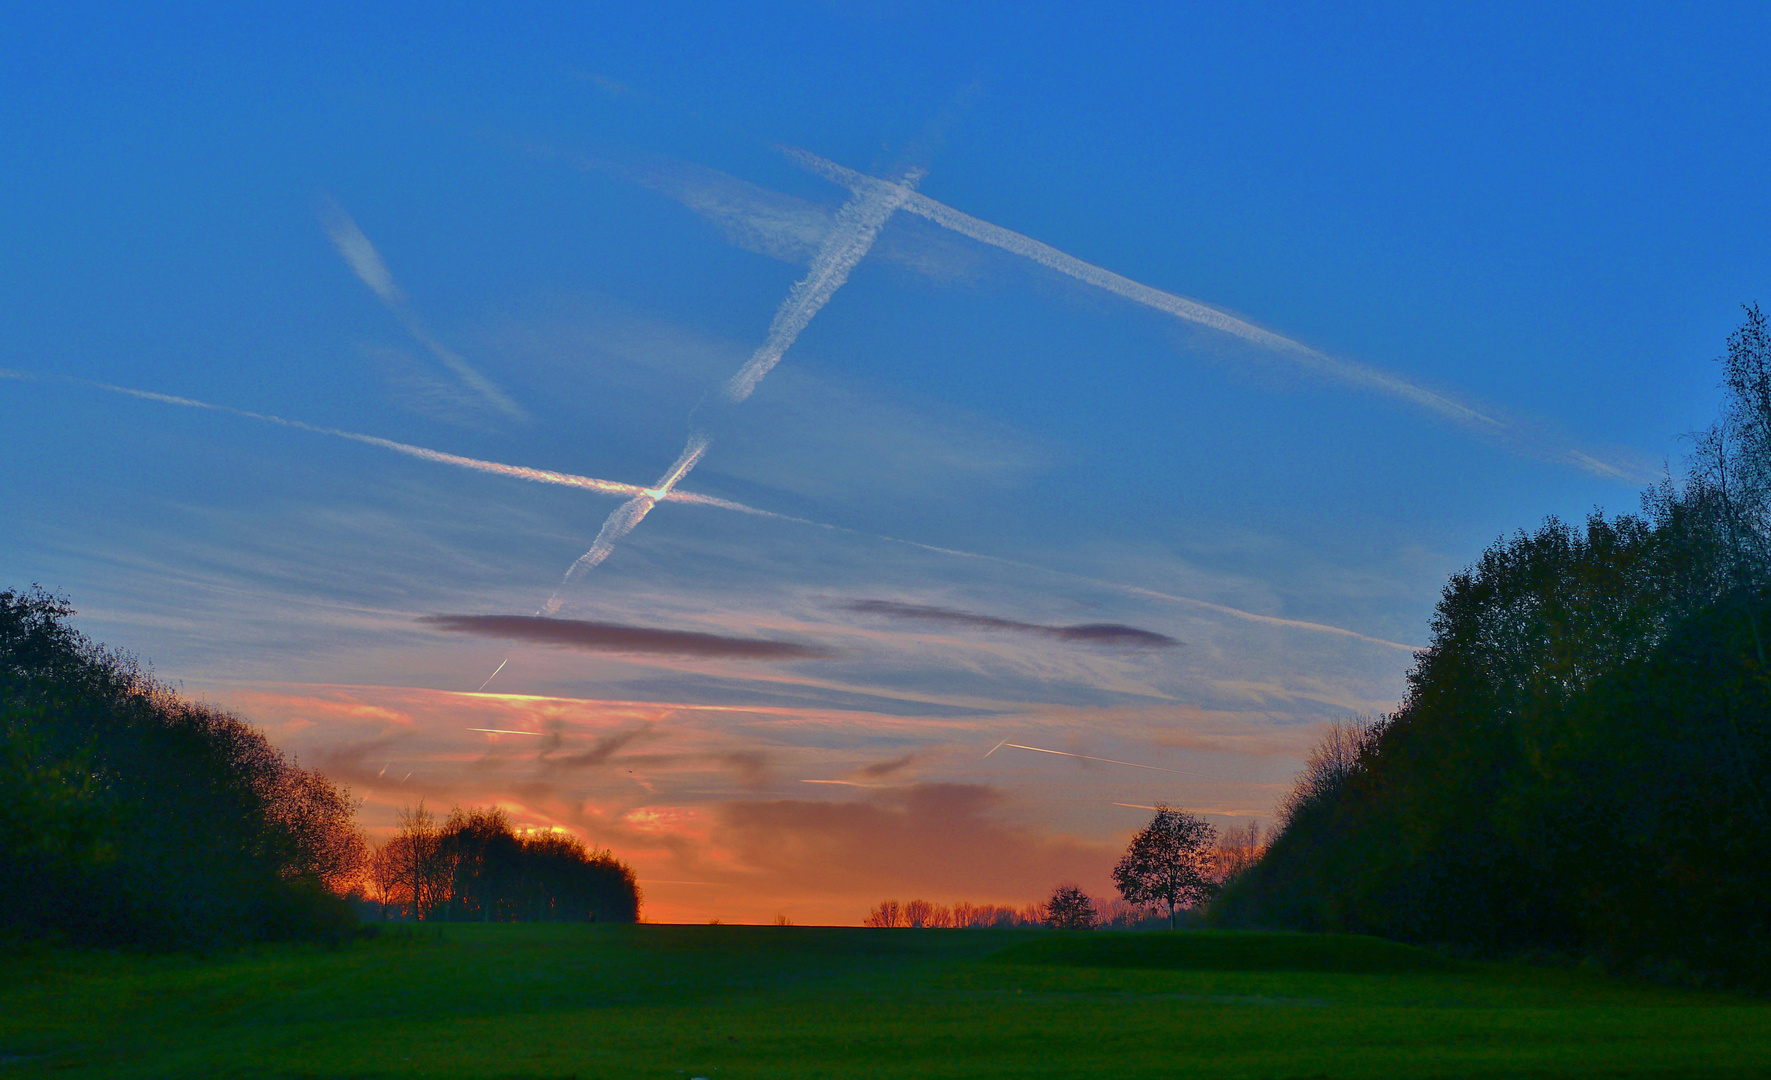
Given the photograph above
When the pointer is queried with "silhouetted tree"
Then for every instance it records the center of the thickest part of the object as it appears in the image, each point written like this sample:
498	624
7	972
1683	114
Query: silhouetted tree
1168	862
1070	909
129	816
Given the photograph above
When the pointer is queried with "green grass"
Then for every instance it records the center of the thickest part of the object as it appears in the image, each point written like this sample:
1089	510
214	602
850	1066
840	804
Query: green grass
728	1002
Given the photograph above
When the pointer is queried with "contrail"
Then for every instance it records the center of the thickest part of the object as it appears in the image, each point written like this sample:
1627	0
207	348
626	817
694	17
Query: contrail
360	255
516	472
494	674
504	731
1113	761
676	494
626	516
1193	311
857	226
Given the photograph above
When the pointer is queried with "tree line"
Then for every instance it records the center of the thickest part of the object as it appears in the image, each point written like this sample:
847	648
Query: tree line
1174	864
132	817
474	867
1579	764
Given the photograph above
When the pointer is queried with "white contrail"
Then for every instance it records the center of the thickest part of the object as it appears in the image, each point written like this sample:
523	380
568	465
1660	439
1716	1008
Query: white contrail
360	255
1114	761
494	674
1193	311
676	494
857	226
626	516
496	468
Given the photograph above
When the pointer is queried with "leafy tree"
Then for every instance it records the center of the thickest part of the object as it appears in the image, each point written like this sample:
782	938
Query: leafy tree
131	817
1168	862
1070	909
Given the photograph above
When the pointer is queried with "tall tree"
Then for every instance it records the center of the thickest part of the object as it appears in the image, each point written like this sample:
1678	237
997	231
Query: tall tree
1168	862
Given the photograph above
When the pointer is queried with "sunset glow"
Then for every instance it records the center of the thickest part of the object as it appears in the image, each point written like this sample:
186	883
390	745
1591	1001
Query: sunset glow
850	452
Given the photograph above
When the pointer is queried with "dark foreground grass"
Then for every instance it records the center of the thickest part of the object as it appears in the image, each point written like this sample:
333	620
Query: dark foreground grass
731	1002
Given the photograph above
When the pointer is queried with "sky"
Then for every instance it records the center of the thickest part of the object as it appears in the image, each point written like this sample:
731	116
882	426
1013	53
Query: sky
765	442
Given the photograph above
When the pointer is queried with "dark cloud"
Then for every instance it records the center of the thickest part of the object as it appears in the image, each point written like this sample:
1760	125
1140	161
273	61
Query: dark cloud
620	638
887	768
1116	635
597	753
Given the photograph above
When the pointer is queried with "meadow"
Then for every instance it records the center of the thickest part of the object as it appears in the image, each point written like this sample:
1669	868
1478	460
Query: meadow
726	1002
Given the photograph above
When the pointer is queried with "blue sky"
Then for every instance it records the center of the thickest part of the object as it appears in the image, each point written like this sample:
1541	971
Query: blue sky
1482	260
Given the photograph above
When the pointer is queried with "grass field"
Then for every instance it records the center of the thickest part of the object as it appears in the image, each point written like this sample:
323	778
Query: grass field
727	1002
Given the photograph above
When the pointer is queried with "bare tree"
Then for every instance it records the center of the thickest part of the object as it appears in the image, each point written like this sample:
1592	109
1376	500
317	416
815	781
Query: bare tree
886	914
1238	849
387	876
1169	862
422	860
1331	763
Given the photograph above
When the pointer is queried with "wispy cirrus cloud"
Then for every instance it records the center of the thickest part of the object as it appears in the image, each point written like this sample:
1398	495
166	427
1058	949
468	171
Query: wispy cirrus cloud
622	638
1112	635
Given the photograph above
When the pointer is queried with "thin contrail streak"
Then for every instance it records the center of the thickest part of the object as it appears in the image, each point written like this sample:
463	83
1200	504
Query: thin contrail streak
503	731
1193	311
630	491
1116	761
1178	306
495	468
857	226
494	674
360	255
626	516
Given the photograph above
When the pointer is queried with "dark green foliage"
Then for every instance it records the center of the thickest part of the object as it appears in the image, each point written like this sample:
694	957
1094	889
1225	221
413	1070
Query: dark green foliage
1580	766
1168	863
1577	768
475	868
1070	909
131	817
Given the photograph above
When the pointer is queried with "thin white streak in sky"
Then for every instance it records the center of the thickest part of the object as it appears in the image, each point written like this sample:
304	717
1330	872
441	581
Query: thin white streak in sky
515	472
629	514
494	674
502	731
1115	761
360	255
857	226
1181	307
674	494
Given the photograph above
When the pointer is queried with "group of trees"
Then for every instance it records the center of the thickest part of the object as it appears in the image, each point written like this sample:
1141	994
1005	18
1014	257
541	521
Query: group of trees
961	916
1177	862
1579	765
132	817
473	866
129	816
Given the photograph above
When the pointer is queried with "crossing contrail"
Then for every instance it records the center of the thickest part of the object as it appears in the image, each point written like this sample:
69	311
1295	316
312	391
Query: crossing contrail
677	494
857	226
624	518
360	255
1181	307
